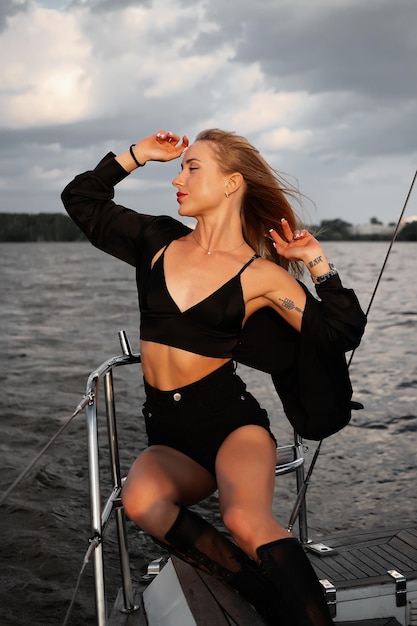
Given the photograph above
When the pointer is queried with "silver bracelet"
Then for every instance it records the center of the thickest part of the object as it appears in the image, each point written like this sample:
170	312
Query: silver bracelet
318	280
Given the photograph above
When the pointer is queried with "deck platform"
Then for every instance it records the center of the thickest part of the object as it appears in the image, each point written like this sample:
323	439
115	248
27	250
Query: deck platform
365	558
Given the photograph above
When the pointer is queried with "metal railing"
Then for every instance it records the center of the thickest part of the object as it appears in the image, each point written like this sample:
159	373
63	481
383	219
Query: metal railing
100	515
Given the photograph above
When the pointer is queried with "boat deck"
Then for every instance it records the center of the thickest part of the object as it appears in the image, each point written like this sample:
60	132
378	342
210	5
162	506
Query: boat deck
365	558
355	561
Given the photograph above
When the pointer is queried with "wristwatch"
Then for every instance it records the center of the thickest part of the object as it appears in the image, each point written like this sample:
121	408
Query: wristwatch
318	280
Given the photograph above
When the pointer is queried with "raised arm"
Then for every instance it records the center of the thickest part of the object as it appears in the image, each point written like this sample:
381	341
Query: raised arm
336	321
88	199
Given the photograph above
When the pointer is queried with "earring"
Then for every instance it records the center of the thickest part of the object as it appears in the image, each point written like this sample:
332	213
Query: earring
226	194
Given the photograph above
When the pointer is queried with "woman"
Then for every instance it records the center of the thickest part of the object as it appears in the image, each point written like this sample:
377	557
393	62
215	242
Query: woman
196	290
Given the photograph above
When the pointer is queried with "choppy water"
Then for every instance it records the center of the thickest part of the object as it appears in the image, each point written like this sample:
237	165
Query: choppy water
61	307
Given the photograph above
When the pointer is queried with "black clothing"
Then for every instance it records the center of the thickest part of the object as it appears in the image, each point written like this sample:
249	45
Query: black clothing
211	327
308	368
196	419
195	541
302	597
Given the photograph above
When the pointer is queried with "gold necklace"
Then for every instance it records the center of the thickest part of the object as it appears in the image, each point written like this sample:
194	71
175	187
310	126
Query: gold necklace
216	250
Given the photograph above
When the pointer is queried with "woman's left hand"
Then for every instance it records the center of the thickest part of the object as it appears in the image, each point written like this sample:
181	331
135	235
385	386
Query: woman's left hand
299	245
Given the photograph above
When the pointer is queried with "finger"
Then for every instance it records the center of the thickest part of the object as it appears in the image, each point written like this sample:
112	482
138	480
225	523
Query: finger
288	234
277	238
300	234
170	139
167	136
179	149
161	134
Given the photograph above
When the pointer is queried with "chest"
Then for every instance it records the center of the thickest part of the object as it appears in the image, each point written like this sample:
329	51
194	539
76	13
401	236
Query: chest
196	296
191	277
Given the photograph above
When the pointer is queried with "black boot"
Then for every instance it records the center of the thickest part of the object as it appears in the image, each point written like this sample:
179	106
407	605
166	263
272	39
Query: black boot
196	541
287	566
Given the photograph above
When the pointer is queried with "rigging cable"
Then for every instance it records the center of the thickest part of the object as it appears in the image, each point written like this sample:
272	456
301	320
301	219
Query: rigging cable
388	253
94	542
303	489
86	400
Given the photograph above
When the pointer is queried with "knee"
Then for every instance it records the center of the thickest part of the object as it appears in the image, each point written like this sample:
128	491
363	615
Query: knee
149	509
135	501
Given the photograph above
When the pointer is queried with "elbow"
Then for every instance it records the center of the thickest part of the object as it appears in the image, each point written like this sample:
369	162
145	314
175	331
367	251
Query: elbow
66	199
353	337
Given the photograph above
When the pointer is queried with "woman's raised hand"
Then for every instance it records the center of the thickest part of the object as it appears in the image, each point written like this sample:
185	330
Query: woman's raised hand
299	245
162	146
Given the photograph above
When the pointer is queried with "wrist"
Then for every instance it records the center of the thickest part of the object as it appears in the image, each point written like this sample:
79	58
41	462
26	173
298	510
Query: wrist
318	280
318	264
139	162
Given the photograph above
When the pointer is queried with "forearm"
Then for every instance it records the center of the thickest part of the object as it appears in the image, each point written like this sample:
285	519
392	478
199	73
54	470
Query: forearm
132	158
319	267
87	191
88	199
336	321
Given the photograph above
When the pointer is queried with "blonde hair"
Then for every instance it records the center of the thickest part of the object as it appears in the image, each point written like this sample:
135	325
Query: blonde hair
265	197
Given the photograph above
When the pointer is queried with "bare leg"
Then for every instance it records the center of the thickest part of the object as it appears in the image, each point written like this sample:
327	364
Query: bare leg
245	474
159	481
245	469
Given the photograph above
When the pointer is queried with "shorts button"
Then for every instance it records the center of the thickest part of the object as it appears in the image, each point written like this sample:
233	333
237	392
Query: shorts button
177	396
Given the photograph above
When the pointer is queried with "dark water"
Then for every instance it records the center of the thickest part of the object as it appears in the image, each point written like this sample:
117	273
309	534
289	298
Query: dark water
61	307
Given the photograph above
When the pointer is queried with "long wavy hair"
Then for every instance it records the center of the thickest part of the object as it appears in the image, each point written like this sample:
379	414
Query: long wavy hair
266	195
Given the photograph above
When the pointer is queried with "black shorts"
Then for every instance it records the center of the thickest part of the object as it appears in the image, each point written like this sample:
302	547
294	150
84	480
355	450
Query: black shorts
197	418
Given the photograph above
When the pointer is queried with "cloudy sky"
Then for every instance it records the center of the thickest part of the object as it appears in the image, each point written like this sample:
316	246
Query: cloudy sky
326	89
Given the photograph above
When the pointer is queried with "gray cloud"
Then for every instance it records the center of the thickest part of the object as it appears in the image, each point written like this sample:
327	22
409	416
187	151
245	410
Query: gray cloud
370	48
326	90
360	57
8	8
108	6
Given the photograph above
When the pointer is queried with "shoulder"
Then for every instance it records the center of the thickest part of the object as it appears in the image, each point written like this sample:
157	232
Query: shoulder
166	228
263	276
268	273
160	231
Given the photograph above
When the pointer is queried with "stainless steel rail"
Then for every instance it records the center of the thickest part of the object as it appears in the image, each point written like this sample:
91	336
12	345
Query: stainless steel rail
98	518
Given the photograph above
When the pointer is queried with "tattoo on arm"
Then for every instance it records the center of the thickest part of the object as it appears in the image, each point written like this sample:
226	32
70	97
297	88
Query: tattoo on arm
290	305
315	261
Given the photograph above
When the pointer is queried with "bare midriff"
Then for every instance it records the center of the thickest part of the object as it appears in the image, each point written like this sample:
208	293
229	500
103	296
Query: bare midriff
166	368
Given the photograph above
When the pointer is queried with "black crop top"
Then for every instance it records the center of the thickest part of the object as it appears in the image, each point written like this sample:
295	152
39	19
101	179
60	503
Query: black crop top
210	328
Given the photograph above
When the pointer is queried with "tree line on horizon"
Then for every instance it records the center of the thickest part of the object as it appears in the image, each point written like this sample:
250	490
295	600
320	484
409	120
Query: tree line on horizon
27	227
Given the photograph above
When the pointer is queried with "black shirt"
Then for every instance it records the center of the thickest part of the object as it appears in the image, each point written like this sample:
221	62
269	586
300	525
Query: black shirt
308	368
